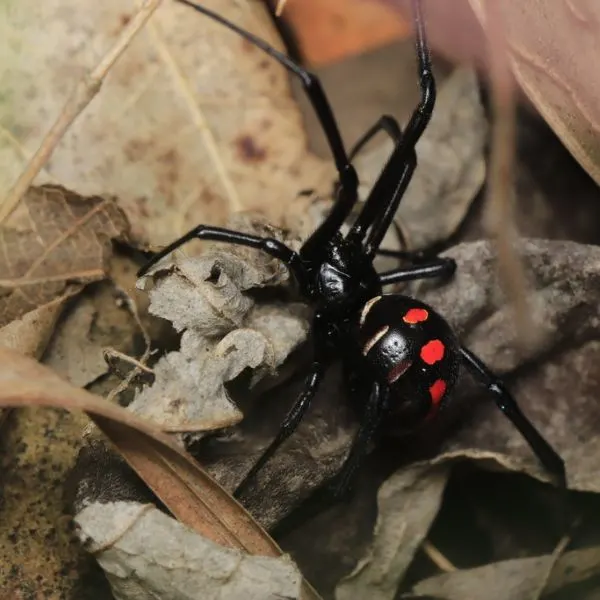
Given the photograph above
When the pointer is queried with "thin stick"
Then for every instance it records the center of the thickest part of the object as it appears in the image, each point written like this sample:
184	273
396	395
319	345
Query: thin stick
82	95
556	554
279	8
499	215
437	558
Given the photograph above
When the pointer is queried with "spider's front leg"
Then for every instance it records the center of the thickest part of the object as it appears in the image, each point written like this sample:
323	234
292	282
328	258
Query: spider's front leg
271	246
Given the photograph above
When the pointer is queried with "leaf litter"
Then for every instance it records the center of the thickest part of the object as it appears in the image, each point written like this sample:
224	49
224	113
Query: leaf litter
502	352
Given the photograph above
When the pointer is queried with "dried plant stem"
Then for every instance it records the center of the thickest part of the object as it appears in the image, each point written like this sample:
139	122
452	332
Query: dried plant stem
279	8
437	558
82	95
499	217
556	554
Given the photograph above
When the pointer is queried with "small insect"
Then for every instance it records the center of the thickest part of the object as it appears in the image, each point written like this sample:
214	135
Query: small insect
401	358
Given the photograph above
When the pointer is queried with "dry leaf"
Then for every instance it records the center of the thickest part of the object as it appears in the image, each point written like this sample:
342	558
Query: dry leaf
183	566
191	124
30	334
407	503
54	242
225	331
551	43
517	579
71	353
451	164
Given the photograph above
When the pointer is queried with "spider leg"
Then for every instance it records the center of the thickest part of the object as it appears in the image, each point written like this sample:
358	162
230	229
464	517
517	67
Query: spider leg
385	123
384	198
440	267
374	411
347	195
271	246
289	425
553	463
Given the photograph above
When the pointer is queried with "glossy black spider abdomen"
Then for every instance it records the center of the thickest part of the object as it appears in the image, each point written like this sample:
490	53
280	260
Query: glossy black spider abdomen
407	344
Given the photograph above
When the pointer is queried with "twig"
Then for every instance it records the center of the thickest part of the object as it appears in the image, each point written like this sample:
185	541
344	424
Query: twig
437	558
82	95
499	216
556	554
140	365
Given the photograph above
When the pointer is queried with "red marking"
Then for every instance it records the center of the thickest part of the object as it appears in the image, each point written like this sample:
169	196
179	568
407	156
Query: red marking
432	352
398	371
415	315
436	391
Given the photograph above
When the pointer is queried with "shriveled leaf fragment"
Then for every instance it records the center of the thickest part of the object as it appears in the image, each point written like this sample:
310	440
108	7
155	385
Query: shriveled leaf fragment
52	244
146	555
407	503
225	331
451	164
518	579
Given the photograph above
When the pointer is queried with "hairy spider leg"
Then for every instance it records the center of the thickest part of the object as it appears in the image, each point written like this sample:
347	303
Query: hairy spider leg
552	462
271	246
348	188
383	200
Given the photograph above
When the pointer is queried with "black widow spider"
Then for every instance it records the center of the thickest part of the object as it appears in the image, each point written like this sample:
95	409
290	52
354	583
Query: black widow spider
400	348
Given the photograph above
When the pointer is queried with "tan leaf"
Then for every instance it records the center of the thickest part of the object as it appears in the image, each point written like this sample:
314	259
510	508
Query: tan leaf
54	240
191	124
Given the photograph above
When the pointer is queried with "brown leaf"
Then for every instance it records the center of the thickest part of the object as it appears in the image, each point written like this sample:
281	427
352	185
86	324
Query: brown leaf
550	45
55	240
172	475
192	124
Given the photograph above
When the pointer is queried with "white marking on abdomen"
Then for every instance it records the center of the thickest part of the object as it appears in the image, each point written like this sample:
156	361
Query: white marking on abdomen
366	308
375	339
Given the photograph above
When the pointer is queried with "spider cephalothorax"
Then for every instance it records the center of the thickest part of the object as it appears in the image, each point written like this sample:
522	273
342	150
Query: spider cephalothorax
404	356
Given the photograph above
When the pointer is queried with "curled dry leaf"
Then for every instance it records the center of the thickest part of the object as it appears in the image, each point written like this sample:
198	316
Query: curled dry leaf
408	502
518	579
52	244
225	331
183	566
549	45
191	124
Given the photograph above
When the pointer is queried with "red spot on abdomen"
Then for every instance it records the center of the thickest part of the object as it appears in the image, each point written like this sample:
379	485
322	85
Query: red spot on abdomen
432	352
415	315
437	391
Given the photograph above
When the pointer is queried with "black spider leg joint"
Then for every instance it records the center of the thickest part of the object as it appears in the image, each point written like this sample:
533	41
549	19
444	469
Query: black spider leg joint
549	458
